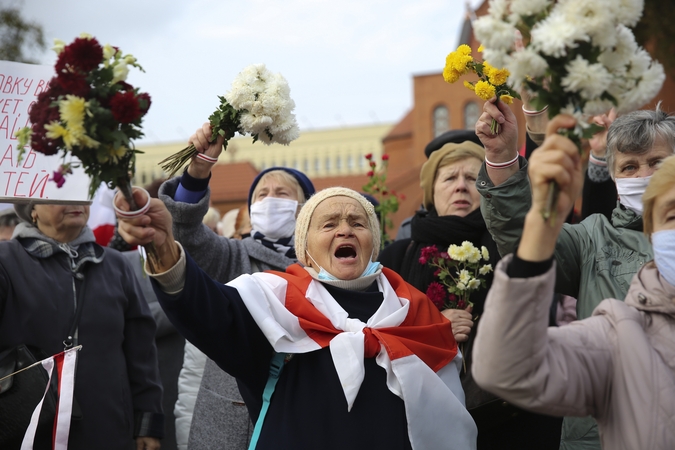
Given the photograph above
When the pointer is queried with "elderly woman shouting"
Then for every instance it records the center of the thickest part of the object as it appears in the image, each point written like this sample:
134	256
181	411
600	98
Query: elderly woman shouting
362	359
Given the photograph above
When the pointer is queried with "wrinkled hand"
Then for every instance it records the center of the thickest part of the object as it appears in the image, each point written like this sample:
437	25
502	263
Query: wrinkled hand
462	322
147	443
557	159
598	142
503	146
153	226
201	140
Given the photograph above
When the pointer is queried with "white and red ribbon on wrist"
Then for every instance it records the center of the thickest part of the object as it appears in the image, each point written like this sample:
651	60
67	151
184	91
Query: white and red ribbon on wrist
527	112
206	158
502	165
597	161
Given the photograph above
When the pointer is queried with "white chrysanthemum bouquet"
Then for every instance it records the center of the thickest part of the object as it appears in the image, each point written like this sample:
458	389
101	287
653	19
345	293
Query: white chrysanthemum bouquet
258	104
577	57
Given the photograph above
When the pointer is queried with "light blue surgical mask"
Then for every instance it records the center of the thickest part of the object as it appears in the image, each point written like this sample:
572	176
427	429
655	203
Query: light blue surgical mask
663	243
323	275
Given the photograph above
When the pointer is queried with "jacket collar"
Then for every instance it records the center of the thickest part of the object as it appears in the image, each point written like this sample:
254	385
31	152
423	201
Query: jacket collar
623	217
649	292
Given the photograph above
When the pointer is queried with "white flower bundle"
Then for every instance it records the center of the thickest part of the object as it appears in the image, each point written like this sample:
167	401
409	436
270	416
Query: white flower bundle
265	103
579	56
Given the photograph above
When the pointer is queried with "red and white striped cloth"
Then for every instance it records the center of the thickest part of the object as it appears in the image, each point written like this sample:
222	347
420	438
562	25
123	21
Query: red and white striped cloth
65	363
102	218
407	335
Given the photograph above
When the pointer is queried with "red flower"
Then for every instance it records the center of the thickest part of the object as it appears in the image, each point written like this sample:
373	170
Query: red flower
125	107
461	304
144	102
401	197
438	272
436	293
385	157
385	193
370	173
74	83
445	255
369	156
372	164
428	253
83	55
41	113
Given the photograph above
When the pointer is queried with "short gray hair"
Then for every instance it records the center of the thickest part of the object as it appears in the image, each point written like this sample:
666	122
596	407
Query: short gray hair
637	132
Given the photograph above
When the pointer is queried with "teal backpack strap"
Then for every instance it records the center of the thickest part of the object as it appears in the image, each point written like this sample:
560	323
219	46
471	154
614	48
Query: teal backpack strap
277	364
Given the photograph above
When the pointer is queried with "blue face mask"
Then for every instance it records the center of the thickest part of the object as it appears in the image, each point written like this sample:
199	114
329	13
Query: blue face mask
663	243
371	268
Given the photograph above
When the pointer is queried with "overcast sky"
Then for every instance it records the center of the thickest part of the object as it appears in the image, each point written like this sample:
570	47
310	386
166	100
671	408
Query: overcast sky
348	62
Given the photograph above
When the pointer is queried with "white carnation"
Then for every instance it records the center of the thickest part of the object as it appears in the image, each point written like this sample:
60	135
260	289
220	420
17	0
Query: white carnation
556	34
618	57
498	9
628	12
497	58
473	284
646	89
590	17
529	7
590	80
525	63
639	63
597	107
494	33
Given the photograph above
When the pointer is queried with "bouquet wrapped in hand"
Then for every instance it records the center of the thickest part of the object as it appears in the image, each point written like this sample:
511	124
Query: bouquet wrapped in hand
258	104
576	57
90	112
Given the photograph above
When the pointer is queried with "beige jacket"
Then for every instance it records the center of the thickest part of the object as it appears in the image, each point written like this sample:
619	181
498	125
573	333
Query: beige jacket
618	365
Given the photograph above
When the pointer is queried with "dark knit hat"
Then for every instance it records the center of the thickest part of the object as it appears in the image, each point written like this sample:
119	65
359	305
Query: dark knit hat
302	179
452	136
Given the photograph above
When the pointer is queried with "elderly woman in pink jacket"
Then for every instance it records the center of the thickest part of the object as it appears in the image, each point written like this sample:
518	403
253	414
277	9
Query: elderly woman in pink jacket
619	364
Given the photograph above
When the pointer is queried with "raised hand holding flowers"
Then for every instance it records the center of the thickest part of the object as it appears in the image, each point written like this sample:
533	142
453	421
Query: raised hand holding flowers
491	83
258	104
90	115
579	57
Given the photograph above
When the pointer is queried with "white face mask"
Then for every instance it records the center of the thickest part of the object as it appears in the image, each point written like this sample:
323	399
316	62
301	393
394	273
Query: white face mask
274	217
630	192
663	243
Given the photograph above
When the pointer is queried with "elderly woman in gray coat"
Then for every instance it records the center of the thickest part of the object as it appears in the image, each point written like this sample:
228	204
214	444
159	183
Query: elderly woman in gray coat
616	365
220	418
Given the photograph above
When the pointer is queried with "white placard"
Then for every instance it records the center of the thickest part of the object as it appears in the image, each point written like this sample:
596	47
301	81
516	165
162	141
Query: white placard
20	84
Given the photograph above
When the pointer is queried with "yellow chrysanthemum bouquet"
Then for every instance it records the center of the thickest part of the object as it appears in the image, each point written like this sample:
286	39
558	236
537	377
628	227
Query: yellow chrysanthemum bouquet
491	83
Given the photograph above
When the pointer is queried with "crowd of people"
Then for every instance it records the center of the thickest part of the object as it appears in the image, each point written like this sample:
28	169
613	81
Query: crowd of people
293	329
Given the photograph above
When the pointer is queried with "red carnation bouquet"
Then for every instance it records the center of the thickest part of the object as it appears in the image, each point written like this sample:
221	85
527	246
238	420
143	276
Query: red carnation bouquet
90	115
89	112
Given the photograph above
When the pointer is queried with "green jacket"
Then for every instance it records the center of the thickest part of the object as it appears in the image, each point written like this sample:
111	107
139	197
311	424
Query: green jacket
596	259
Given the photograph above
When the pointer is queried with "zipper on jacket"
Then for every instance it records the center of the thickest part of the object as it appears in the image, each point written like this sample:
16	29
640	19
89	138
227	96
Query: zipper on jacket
70	341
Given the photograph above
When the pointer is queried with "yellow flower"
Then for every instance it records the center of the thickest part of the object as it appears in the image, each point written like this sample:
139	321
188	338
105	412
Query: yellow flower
506	98
117	153
464	49
109	52
71	111
86	36
481	48
485	90
469	85
88	142
59	45
55	130
450	75
464	276
473	284
497	76
457	253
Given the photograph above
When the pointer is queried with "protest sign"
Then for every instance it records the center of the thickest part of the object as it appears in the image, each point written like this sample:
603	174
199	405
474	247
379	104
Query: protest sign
20	84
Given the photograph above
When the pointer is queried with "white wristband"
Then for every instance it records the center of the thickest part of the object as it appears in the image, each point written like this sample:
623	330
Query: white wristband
206	158
502	165
527	112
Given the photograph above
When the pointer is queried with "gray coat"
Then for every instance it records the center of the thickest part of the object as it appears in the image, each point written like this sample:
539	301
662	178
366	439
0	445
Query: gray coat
220	418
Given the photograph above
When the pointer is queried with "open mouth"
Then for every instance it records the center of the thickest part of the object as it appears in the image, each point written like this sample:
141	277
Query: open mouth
345	251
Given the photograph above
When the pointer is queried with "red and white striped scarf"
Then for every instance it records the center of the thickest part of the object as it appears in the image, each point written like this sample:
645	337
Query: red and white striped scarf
407	335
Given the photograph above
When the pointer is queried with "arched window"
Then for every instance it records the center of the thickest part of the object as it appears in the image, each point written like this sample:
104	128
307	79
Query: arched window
471	115
441	120
327	166
350	162
338	163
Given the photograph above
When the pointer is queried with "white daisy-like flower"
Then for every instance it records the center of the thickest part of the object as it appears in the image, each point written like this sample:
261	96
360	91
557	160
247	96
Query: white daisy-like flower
590	80
529	7
464	276
525	63
496	58
474	256
461	286
646	89
457	253
473	284
589	16
556	34
484	251
487	268
494	34
618	58
640	62
628	12
498	9
597	107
